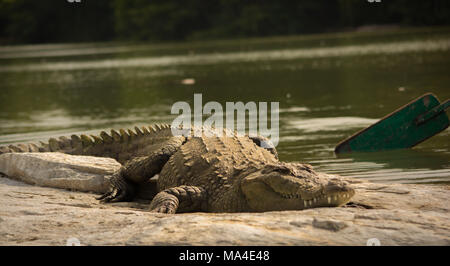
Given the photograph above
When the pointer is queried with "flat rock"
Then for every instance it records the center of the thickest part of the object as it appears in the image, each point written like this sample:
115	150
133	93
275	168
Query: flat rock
390	214
58	170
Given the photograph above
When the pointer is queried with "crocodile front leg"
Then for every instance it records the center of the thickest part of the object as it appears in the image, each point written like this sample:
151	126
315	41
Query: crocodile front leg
179	199
137	171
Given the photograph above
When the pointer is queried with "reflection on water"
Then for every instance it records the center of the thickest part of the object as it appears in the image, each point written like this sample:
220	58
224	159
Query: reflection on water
217	58
312	125
328	88
407	166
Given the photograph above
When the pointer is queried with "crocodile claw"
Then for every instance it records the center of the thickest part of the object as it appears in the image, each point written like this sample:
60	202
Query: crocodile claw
103	196
164	209
114	195
120	190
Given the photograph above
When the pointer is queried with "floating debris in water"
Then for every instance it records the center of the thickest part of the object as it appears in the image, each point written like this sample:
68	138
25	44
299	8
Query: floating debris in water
189	81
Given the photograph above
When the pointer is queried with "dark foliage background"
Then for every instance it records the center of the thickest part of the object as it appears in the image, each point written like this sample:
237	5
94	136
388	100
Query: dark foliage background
31	21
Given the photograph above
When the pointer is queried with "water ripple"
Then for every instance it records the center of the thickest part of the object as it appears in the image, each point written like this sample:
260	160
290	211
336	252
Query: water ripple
214	58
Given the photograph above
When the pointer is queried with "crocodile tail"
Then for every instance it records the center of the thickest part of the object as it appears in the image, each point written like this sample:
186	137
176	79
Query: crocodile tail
29	147
104	145
120	145
62	144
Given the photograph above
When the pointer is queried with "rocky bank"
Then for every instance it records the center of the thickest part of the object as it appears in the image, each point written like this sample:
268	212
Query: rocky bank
38	213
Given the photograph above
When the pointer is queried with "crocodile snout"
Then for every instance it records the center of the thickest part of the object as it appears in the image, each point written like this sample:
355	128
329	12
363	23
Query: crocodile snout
338	186
338	192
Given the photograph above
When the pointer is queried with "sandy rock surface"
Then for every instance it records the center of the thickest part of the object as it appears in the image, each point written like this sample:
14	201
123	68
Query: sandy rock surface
391	214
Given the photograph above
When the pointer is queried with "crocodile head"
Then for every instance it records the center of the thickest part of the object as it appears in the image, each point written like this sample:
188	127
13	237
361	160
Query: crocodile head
291	186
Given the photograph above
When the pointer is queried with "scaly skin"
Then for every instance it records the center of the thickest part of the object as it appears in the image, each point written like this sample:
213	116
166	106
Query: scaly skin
211	173
121	145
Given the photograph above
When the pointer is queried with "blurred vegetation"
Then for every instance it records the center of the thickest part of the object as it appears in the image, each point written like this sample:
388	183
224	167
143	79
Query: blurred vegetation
31	21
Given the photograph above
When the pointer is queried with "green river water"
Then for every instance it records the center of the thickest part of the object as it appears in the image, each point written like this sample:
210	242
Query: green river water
328	87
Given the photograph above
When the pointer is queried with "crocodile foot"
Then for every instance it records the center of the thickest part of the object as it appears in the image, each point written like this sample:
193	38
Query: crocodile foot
120	189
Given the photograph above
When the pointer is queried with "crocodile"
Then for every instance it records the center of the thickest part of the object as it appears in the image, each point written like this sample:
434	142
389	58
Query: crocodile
210	172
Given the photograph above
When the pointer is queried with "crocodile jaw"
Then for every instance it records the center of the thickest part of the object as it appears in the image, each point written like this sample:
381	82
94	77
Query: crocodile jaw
276	191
